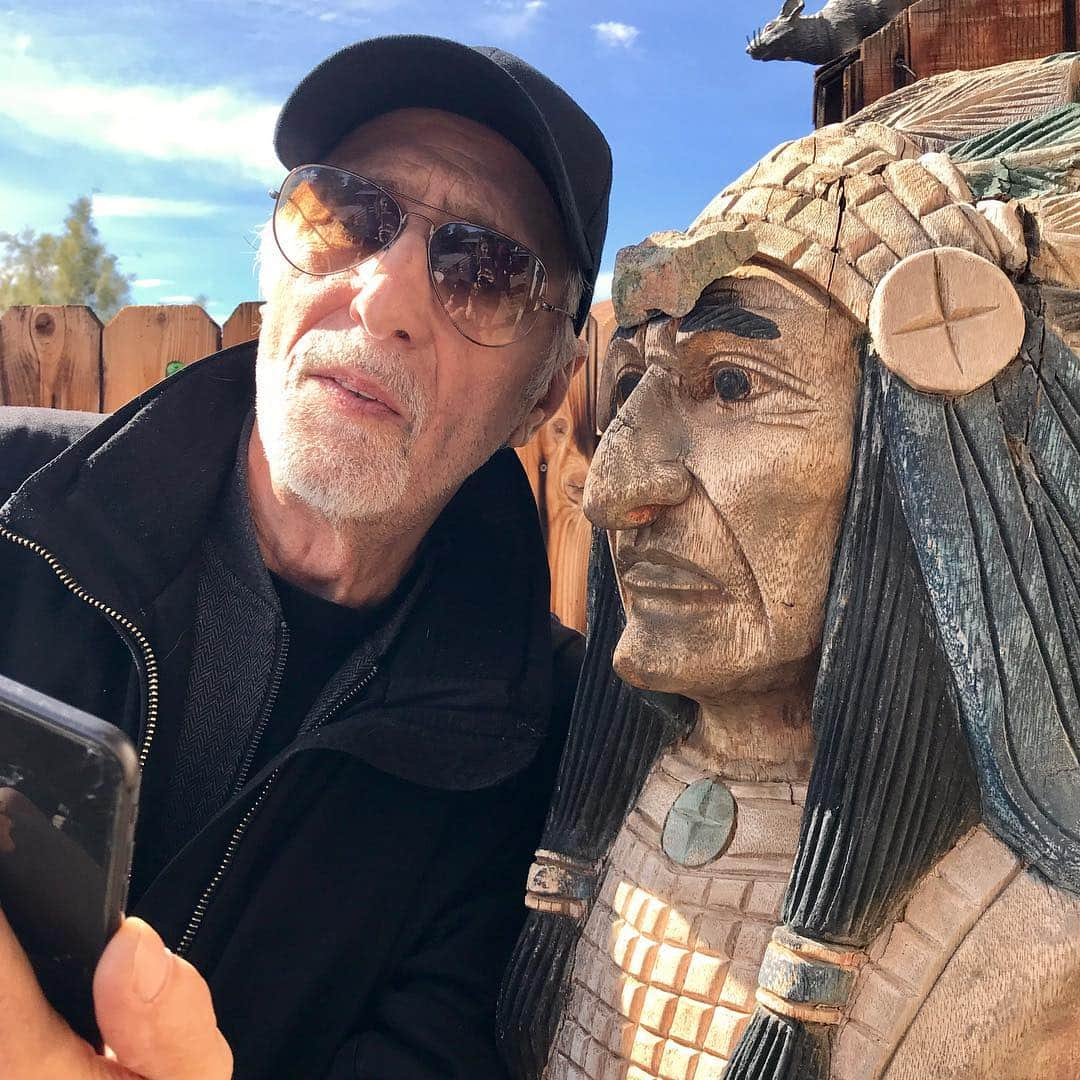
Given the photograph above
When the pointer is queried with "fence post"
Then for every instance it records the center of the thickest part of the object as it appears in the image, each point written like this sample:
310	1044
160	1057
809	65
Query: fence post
50	356
139	343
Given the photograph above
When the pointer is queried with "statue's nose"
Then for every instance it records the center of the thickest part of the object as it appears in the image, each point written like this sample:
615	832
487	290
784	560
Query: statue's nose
637	471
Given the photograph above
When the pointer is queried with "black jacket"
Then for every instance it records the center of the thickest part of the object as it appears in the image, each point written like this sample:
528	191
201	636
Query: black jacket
362	921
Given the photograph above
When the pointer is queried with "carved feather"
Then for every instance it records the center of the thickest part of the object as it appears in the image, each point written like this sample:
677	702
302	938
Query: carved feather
960	105
1026	158
1055	220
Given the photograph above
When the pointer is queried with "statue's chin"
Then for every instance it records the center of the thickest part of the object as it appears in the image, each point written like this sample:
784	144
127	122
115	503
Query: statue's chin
654	662
641	663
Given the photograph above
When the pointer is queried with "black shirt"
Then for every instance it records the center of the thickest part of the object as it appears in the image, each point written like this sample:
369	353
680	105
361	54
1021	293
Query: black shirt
321	636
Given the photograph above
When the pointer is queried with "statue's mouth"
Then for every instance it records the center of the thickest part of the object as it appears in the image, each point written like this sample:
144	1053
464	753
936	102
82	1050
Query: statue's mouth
656	570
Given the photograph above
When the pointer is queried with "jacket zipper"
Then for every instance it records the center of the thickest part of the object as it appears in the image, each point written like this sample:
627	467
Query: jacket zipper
264	720
150	668
201	907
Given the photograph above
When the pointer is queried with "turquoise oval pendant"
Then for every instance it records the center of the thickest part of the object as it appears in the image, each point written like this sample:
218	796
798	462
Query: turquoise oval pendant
700	823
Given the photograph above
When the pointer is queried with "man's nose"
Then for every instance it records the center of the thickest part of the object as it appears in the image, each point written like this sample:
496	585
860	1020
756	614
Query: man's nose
638	468
392	294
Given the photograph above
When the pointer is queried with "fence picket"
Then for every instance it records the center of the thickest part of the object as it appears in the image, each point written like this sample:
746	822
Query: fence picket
242	325
139	343
50	356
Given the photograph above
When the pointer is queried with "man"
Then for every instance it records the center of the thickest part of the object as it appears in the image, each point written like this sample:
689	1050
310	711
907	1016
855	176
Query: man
325	626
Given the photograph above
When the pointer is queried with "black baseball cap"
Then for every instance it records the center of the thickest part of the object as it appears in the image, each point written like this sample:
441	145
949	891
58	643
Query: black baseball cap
485	84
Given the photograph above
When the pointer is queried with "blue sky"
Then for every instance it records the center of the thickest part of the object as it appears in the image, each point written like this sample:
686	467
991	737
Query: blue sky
165	110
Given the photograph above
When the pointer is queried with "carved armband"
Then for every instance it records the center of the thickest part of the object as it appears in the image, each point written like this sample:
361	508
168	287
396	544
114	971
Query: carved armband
560	885
806	980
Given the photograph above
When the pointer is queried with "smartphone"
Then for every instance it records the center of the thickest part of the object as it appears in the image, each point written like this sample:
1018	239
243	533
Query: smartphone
68	799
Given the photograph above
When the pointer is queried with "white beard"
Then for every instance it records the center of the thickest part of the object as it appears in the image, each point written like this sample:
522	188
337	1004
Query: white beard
345	470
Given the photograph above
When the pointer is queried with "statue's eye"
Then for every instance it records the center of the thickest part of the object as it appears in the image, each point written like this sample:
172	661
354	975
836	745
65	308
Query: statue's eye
732	383
624	387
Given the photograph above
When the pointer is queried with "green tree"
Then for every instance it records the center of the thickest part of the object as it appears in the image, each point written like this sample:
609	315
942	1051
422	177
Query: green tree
72	267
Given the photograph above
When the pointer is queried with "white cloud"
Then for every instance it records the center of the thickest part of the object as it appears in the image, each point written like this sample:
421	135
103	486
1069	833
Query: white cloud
176	299
603	286
139	206
151	282
510	18
165	123
616	33
21	42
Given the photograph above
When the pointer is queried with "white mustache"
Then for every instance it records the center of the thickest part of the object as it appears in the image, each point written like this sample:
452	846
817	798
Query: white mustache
319	348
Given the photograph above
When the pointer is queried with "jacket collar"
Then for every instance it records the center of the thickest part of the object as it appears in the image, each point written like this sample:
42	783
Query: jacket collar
463	695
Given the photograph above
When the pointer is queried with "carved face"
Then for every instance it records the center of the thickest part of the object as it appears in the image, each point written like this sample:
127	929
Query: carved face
721	476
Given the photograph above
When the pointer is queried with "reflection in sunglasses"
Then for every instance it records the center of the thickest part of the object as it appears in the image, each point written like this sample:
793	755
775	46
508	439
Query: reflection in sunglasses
328	220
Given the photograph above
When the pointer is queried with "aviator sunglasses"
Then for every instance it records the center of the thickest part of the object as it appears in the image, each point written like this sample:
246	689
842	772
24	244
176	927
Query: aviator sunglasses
491	287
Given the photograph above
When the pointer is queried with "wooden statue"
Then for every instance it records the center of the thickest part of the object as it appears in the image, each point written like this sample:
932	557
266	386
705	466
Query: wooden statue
839	27
824	820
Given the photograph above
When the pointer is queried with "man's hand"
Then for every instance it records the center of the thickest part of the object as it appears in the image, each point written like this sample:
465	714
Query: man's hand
153	1008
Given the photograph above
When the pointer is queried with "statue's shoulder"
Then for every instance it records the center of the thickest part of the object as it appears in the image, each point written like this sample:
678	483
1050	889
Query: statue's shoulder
980	975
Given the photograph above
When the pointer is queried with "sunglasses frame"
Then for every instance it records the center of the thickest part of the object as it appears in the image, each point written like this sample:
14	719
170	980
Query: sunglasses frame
542	304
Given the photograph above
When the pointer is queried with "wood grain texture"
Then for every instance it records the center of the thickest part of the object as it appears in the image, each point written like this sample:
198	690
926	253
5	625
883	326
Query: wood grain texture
556	460
50	356
140	343
950	35
568	444
885	62
1023	1027
242	325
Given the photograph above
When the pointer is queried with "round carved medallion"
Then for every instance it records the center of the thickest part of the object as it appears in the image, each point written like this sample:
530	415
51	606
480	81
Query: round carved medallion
700	824
946	321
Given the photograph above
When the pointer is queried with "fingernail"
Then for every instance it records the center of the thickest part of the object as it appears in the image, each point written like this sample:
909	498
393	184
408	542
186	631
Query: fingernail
152	964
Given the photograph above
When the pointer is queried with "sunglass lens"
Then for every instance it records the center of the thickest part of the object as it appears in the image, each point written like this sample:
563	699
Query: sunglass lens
489	285
327	220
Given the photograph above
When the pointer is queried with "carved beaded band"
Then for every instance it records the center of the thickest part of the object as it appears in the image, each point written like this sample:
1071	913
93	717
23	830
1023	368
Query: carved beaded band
560	885
806	980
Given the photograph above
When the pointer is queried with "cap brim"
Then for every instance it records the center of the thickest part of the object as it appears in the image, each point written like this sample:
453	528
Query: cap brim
373	77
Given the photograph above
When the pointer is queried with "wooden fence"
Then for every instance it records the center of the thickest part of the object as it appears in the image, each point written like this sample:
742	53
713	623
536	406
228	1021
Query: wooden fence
63	357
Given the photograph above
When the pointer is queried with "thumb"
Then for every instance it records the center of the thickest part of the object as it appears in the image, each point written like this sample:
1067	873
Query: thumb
155	1012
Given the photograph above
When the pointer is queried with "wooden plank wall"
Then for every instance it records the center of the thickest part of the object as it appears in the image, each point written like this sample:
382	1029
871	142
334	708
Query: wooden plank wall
935	36
556	460
62	357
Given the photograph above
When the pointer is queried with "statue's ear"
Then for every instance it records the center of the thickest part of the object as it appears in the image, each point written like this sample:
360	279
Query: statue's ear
792	9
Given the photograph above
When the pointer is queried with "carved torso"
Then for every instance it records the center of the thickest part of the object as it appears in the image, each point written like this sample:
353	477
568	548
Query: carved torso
666	969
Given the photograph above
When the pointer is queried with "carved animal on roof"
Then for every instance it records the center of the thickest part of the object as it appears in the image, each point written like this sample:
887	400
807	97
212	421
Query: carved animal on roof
823	821
826	35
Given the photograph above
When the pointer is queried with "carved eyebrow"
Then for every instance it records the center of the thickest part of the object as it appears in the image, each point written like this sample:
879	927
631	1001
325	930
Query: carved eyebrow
722	312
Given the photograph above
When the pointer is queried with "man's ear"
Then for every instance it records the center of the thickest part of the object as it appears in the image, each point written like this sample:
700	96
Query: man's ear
548	403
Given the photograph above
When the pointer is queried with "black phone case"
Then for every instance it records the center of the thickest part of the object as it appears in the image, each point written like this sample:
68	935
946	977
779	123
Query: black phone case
66	859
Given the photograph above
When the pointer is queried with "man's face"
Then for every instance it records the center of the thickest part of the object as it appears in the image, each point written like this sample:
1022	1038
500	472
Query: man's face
723	477
370	404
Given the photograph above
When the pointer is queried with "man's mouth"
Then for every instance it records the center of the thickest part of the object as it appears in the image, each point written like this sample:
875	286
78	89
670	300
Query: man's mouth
367	394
